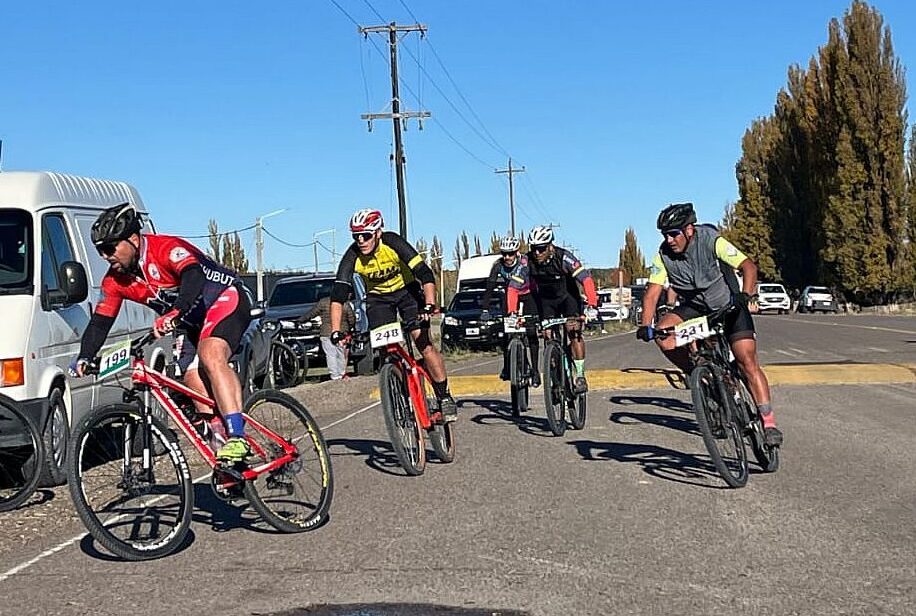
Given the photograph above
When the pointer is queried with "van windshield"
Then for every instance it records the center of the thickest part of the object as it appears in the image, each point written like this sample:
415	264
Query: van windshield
15	252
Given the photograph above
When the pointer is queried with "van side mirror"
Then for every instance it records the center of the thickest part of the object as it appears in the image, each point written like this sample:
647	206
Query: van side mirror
73	282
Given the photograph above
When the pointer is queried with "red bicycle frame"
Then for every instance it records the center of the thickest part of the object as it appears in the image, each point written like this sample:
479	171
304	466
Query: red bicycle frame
414	373
158	384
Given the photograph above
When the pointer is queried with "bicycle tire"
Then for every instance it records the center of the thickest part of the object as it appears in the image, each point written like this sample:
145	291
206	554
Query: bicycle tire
518	373
767	456
442	439
102	445
284	365
718	427
295	497
554	388
404	431
22	455
578	409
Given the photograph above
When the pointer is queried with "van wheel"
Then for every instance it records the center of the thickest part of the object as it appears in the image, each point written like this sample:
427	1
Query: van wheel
56	436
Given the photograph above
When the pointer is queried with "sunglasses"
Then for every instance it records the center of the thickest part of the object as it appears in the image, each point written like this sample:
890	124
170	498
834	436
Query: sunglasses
508	254
363	237
673	233
106	250
540	249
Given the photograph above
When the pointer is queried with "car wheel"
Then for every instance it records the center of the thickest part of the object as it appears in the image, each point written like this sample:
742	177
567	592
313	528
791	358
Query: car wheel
365	365
56	436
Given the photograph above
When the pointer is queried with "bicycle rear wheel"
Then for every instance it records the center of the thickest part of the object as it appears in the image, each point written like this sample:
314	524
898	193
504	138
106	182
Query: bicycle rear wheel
22	455
405	433
296	496
518	376
578	408
721	433
134	512
284	365
554	387
767	457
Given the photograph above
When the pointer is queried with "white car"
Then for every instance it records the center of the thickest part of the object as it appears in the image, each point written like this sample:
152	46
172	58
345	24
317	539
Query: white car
817	298
773	296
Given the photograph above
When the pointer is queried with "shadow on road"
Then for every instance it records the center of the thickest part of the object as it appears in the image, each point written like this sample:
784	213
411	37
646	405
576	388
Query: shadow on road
222	516
501	412
657	461
672	404
674	376
681	424
379	454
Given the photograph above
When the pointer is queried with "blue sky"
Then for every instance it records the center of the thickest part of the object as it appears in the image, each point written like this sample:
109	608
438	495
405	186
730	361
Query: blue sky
231	110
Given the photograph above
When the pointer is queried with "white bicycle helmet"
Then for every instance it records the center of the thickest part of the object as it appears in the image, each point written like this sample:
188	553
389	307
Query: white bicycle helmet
366	220
508	244
539	236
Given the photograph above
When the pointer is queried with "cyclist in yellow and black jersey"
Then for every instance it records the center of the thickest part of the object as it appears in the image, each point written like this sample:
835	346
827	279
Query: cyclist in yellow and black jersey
398	282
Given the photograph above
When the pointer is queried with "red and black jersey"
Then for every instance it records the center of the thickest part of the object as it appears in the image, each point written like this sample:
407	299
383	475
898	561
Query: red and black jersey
162	259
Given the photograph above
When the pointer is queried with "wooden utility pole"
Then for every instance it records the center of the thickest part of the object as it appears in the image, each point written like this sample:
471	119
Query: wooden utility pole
396	116
510	171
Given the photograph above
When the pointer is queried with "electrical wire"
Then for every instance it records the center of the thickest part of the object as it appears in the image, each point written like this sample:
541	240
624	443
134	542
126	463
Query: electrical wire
342	10
290	244
199	237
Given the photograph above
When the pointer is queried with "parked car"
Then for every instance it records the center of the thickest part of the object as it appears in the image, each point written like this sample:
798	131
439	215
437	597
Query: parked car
609	310
772	296
294	296
463	327
815	299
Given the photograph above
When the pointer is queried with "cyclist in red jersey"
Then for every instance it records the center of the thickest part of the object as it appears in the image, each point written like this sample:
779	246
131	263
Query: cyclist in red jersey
188	290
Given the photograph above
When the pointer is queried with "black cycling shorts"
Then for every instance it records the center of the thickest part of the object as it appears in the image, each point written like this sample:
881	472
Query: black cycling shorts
738	324
382	309
563	306
227	319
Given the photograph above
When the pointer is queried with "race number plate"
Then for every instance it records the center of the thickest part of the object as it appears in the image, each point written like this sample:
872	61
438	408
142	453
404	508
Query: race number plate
115	359
688	331
385	335
514	325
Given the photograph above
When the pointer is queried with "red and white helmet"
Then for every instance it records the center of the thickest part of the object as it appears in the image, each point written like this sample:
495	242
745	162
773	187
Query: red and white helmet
366	220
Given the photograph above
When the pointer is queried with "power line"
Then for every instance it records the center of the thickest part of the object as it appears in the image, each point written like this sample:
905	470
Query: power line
342	10
377	14
198	237
285	243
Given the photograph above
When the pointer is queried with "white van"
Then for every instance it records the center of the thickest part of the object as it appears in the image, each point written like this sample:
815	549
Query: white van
50	274
474	271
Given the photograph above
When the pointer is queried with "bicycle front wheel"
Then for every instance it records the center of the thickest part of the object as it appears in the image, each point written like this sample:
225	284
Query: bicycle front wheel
721	434
284	365
296	496
554	387
130	483
405	433
518	376
22	455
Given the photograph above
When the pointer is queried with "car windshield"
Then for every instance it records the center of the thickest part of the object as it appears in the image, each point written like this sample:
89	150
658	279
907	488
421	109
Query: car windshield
772	288
638	292
15	252
469	301
300	292
819	290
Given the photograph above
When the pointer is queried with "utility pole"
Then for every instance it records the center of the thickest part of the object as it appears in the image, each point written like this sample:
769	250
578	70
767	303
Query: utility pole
397	116
259	250
510	171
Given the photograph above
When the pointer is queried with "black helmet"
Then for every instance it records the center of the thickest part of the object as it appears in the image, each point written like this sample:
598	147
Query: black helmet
676	216
115	224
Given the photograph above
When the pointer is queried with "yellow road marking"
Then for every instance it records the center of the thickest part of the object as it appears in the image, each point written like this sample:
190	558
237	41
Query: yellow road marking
657	378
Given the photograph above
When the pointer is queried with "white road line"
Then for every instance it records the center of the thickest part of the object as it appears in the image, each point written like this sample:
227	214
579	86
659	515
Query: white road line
871	327
57	548
786	353
878	349
799	351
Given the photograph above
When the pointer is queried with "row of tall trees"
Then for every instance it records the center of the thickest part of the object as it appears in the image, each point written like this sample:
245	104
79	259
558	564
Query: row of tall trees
826	193
227	248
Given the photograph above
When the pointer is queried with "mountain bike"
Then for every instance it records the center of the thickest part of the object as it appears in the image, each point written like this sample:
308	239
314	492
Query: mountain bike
405	405
131	483
725	410
519	362
560	378
22	453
